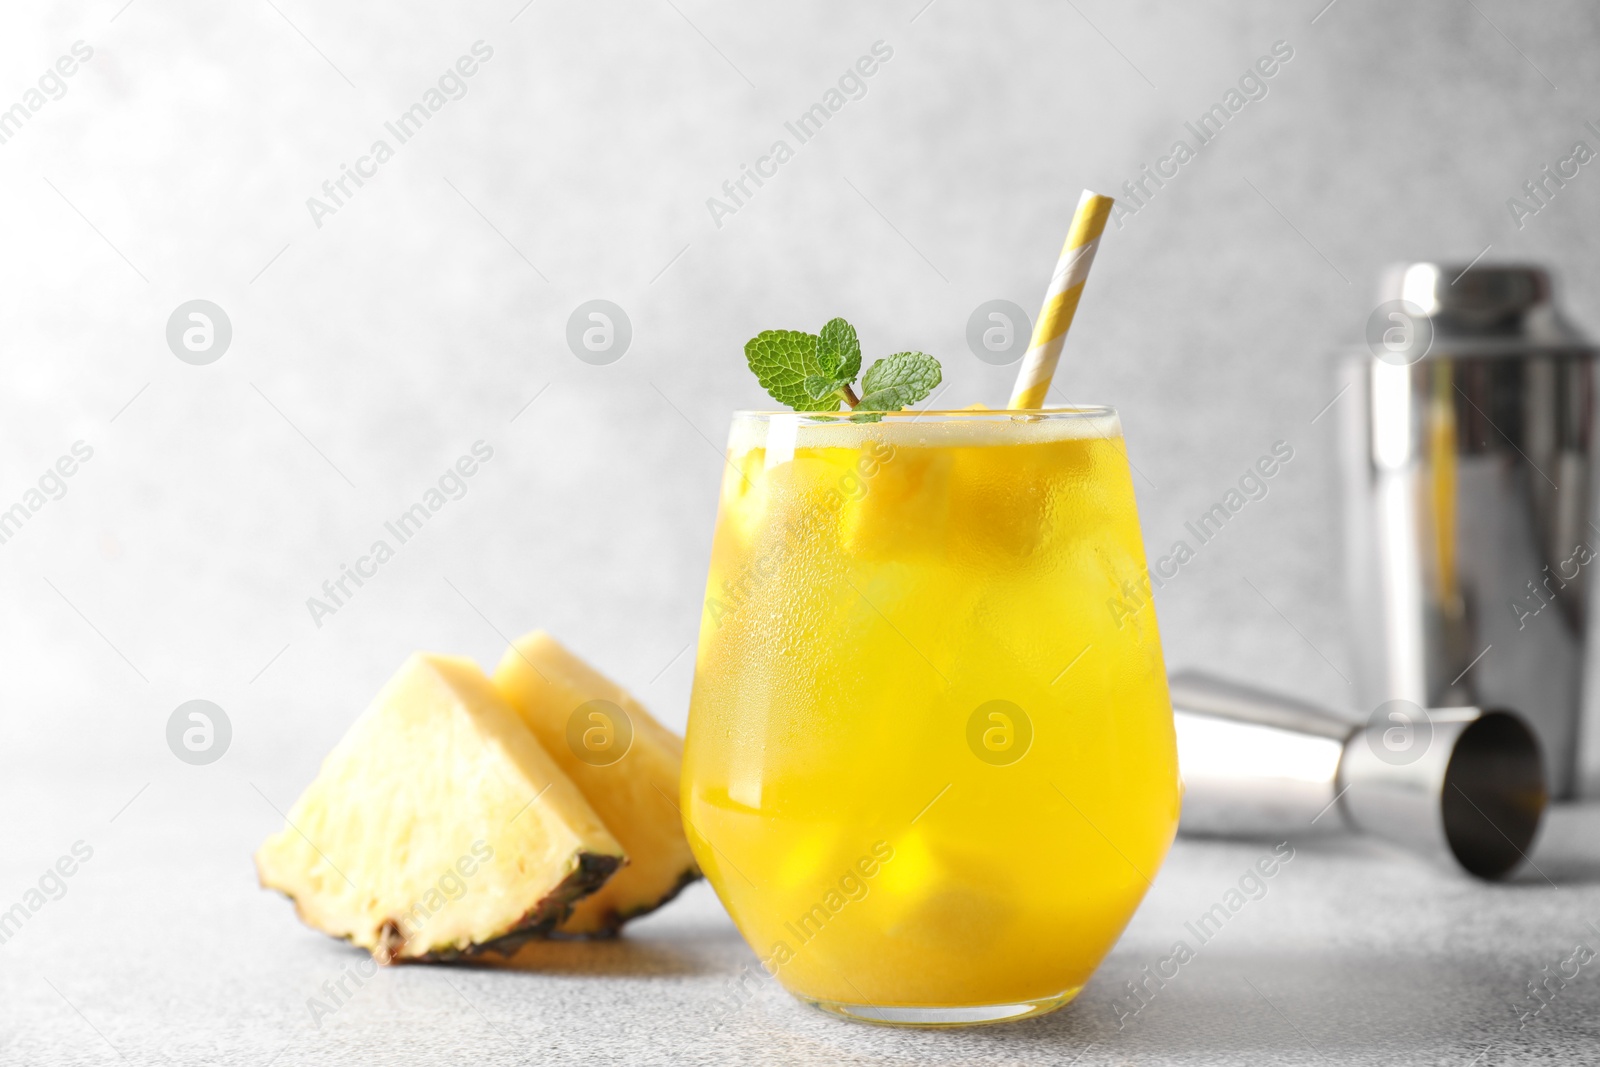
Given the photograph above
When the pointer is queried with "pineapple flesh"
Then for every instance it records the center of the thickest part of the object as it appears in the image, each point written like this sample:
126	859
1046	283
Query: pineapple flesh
632	784
438	827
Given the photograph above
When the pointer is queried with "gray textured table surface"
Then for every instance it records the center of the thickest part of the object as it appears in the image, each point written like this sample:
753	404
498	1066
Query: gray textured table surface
162	950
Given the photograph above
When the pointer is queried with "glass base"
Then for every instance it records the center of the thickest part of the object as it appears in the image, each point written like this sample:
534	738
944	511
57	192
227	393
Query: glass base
943	1017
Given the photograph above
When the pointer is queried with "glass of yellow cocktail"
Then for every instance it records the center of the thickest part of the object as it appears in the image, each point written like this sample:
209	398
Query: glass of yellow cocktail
930	766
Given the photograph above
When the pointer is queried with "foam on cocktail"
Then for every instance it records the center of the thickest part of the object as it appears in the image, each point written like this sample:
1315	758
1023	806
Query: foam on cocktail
908	430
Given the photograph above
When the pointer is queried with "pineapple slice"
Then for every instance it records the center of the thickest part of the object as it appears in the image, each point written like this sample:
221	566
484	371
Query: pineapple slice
626	765
438	826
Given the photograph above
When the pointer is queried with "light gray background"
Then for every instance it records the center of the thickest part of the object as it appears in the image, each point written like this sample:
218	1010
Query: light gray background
370	353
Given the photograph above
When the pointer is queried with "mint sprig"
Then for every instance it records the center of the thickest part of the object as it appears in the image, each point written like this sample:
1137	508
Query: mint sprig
816	372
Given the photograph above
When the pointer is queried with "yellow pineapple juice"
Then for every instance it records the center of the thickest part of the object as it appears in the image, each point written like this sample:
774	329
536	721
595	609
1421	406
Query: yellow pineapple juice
930	764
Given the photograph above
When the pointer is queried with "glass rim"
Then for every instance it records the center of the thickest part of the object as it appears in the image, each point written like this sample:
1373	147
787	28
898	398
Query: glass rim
1065	411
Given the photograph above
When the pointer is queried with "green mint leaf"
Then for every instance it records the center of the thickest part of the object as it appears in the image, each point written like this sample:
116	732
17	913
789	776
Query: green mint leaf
839	352
814	372
783	362
818	387
897	381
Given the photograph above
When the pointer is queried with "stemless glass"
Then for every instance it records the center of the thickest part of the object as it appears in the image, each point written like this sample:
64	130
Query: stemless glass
930	765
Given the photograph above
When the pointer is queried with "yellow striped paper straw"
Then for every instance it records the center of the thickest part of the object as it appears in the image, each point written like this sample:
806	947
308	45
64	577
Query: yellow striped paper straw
1061	301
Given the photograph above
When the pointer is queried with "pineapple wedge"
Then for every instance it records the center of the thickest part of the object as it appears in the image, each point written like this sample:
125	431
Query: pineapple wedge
626	766
438	827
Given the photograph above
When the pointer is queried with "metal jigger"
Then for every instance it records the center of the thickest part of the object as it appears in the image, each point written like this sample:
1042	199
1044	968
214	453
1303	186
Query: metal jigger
1463	783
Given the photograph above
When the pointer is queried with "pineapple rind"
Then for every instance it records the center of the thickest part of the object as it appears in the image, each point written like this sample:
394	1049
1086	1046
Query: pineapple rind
589	873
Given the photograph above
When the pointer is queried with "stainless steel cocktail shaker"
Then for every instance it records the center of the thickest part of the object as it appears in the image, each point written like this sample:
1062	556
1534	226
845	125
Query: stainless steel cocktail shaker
1468	457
